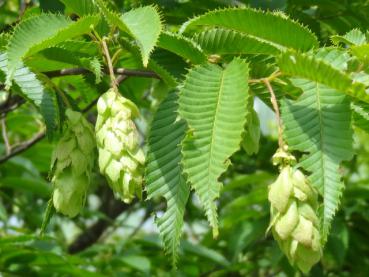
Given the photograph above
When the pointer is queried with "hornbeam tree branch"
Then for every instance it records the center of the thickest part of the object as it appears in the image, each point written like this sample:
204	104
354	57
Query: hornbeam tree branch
112	208
24	146
273	99
6	109
38	137
11	104
118	71
122	73
110	64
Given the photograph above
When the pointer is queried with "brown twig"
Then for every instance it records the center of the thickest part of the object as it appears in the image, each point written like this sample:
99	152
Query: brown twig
262	80
23	7
120	79
23	147
7	109
117	71
90	106
122	73
38	137
11	104
110	65
112	208
273	99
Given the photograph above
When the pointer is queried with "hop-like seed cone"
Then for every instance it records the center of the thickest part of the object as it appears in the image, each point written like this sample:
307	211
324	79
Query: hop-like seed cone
121	159
294	220
73	160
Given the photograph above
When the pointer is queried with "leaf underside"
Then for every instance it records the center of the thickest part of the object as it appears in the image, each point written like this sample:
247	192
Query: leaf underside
213	102
318	124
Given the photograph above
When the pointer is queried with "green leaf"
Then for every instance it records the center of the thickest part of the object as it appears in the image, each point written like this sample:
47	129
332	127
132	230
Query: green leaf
223	41
56	58
251	136
3	212
40	32
316	70
319	125
361	52
354	37
113	18
335	57
81	7
171	62
94	65
361	115
153	65
84	47
275	28
163	172
164	74
35	92
50	210
206	253
140	263
16	239
143	24
182	46
34	185
213	101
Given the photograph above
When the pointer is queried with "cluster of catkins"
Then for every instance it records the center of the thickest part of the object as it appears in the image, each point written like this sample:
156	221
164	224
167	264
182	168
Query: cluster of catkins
121	159
72	162
294	221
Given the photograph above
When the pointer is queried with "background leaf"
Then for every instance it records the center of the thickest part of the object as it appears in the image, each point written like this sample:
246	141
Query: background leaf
275	27
163	172
40	32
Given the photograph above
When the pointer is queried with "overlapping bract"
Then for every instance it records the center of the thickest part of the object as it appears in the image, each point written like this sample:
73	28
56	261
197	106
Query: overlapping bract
294	219
121	159
73	160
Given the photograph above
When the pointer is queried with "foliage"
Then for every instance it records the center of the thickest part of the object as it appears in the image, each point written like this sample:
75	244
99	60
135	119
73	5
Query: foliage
180	94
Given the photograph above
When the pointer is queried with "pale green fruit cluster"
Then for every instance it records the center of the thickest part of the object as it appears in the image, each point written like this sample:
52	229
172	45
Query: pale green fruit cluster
72	161
121	159
294	222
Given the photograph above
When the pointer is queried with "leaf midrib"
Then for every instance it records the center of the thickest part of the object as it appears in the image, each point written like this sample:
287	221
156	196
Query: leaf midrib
213	127
322	150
